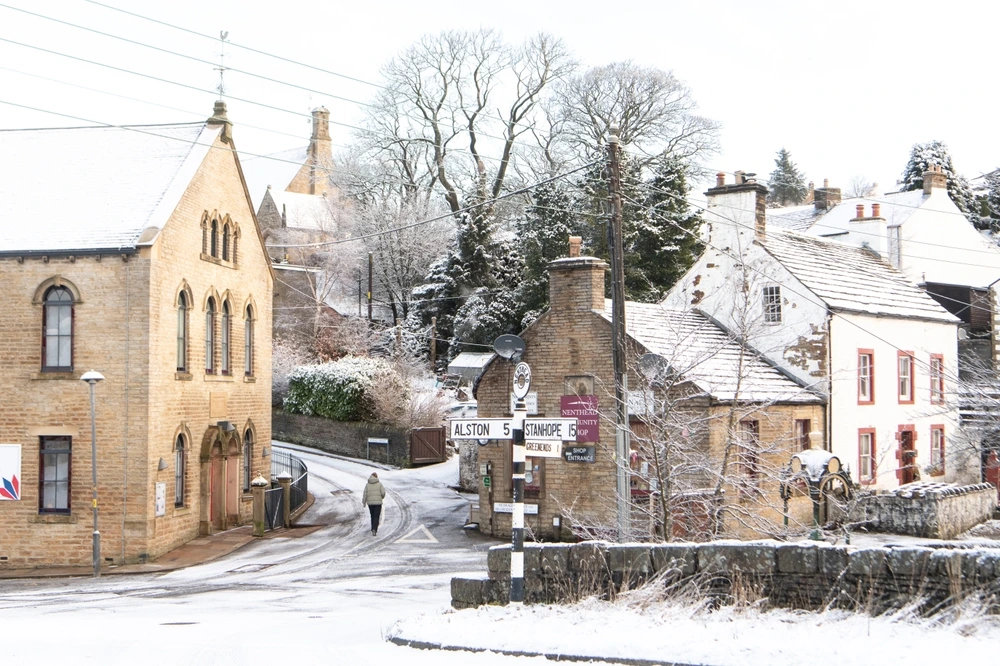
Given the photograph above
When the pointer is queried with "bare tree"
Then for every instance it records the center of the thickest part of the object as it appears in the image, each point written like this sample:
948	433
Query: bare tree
859	186
654	111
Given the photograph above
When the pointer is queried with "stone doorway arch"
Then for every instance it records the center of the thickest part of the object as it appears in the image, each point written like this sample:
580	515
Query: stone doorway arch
220	480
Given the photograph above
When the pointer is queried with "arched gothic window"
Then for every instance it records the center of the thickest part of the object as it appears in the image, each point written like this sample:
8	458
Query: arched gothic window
210	337
214	240
225	242
57	327
247	459
182	331
180	462
226	326
248	343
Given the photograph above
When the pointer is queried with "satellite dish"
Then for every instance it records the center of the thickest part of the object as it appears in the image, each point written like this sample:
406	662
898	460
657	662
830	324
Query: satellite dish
654	367
509	347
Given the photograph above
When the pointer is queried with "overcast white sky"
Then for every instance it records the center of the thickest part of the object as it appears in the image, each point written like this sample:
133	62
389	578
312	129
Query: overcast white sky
847	87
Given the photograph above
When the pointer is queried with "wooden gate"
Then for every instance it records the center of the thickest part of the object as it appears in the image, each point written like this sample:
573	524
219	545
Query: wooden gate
427	445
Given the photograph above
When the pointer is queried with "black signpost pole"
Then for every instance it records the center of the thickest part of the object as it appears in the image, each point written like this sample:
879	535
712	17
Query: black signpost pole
517	518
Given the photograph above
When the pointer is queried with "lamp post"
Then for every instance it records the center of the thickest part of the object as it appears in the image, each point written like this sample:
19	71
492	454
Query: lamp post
92	378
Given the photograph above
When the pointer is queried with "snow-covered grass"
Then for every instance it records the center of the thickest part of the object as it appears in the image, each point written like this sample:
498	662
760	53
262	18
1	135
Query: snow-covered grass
642	625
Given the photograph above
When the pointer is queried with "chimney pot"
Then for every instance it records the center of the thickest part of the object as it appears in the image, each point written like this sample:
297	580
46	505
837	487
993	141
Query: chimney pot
574	245
740	177
876	210
826	183
861	211
720	179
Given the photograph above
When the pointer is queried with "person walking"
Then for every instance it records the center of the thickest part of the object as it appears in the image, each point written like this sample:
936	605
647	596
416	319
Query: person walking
372	498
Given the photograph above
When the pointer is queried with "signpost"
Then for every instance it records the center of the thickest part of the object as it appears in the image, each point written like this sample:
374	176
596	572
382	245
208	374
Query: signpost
549	430
580	454
481	428
543	449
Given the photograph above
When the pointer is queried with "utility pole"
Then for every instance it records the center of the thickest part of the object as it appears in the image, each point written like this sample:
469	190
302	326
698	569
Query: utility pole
369	287
616	248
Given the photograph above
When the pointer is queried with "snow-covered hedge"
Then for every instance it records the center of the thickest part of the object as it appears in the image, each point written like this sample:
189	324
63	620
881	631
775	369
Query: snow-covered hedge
340	390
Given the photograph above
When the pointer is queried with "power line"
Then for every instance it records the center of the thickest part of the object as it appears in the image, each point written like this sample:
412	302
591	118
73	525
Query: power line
804	297
240	46
466	209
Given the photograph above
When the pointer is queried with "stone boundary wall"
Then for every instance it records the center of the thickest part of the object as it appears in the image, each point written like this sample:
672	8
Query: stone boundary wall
931	510
802	575
341	437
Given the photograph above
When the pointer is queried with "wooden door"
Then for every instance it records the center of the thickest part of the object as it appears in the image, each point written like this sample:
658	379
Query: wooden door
907	458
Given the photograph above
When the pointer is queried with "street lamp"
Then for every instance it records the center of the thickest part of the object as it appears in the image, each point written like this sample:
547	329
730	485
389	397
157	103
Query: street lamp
92	378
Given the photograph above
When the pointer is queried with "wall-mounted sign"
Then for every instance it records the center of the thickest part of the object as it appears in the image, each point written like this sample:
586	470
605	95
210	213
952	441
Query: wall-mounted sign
580	454
161	499
10	472
508	507
522	379
542	449
487	482
583	408
530	402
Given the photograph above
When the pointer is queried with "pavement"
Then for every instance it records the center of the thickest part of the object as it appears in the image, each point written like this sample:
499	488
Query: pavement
197	551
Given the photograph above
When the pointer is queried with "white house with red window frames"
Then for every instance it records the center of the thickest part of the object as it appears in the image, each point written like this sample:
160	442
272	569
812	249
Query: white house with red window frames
843	321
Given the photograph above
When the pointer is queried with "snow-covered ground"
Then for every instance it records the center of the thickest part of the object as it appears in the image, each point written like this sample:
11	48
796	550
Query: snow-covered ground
688	634
335	596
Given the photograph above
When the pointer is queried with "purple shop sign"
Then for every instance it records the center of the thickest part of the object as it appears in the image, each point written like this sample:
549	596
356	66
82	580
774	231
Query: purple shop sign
583	408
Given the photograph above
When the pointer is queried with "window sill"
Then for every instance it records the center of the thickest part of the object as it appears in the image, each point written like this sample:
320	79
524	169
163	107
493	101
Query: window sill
247	497
183	376
218	378
249	380
182	510
53	519
72	374
217	261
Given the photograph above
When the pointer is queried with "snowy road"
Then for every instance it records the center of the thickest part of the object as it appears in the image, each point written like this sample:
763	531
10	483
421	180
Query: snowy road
325	598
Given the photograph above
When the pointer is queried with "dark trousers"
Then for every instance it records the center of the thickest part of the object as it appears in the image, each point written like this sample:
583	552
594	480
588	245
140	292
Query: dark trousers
376	511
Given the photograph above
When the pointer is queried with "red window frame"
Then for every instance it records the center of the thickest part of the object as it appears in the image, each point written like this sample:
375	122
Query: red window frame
899	377
870	355
872	455
937	379
937	468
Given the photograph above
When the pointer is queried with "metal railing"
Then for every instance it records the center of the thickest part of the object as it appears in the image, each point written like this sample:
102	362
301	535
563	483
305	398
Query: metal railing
283	461
274	507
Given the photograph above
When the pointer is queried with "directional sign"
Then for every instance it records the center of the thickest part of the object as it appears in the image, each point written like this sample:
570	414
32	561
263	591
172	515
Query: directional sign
559	430
480	429
542	449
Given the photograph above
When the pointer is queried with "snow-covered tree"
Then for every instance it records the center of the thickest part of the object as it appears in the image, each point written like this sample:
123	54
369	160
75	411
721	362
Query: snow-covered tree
922	157
664	243
542	235
787	185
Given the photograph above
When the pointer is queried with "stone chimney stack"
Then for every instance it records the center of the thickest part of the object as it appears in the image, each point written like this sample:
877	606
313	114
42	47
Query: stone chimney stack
934	178
576	284
870	231
742	207
826	197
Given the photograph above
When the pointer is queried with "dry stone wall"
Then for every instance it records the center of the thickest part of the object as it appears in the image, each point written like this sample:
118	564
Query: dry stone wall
340	437
796	575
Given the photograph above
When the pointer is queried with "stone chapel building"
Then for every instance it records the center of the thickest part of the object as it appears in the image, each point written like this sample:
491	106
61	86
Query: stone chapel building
139	258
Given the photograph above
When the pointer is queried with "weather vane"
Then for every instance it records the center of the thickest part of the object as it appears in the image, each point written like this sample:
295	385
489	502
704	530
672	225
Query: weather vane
221	69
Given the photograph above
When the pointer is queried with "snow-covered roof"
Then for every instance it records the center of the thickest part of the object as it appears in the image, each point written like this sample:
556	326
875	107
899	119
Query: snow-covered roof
851	278
304	211
94	188
276	169
897	207
474	360
705	354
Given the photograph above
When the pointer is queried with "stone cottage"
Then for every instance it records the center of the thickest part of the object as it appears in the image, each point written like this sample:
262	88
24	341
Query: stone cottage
732	419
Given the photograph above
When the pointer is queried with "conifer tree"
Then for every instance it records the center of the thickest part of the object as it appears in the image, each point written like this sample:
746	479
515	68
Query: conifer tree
787	185
935	153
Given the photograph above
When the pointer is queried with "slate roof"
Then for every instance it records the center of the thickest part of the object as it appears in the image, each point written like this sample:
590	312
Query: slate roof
897	207
706	355
850	278
304	211
94	188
